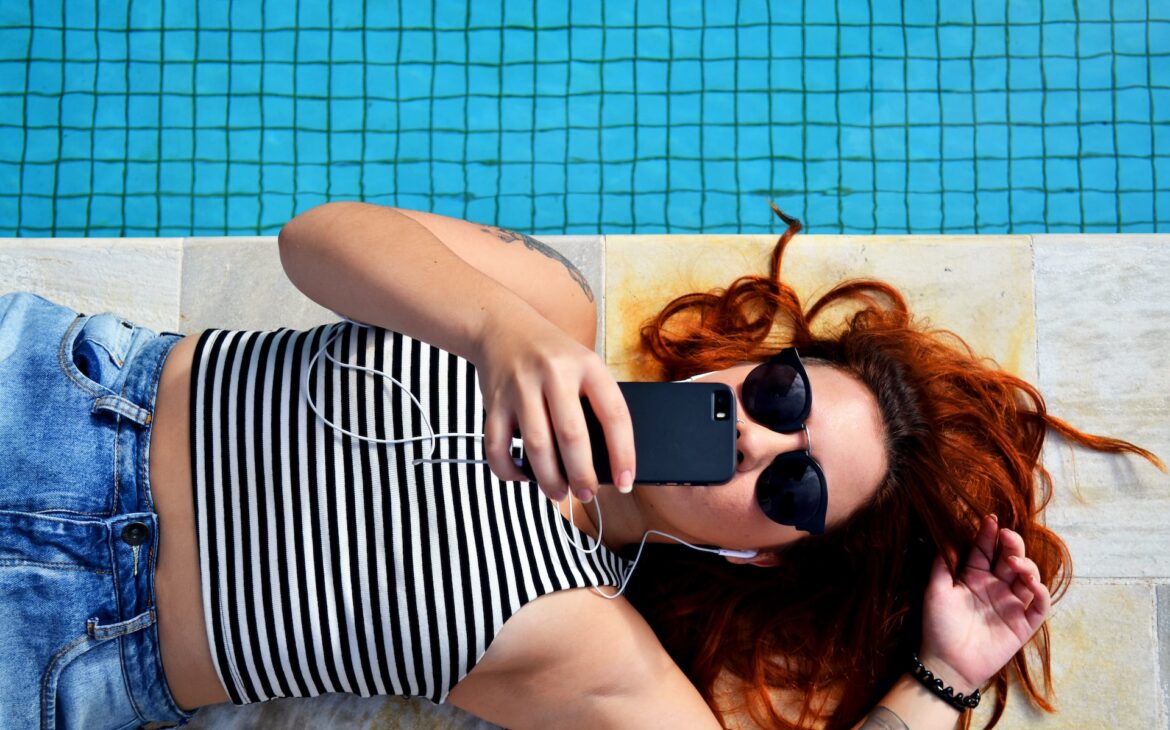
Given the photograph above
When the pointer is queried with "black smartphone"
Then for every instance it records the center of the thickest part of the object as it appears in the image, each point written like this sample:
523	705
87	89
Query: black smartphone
684	433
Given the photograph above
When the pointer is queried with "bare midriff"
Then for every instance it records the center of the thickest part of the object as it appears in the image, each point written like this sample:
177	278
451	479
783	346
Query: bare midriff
186	655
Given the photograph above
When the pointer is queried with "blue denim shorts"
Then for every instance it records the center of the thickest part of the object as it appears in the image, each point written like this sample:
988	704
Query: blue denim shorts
78	532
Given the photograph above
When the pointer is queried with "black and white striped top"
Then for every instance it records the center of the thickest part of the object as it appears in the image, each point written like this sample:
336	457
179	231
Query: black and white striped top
332	564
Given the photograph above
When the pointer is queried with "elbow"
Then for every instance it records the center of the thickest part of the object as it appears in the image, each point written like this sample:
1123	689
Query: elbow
303	239
306	227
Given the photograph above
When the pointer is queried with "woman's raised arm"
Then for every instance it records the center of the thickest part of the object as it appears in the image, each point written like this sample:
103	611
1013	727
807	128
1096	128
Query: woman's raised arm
973	624
520	312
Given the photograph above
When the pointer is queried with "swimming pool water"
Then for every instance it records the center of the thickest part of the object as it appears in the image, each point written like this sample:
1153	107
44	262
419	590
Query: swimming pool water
176	117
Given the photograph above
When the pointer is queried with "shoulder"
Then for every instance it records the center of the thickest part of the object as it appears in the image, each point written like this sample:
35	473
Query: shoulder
580	660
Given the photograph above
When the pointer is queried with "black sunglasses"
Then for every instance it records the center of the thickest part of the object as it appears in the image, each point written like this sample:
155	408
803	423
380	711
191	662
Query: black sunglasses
792	489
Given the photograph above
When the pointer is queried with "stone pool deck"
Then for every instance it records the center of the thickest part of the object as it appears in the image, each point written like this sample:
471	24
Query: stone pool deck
1085	317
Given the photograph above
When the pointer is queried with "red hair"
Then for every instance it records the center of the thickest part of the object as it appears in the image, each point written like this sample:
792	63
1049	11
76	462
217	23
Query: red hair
834	623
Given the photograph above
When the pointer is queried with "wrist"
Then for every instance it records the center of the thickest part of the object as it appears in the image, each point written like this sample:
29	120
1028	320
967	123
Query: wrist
944	682
950	672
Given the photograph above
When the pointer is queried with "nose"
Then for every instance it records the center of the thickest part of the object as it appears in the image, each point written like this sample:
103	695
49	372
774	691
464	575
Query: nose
758	445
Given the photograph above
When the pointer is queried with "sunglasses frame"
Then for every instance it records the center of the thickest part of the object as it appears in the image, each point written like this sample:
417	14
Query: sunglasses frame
815	523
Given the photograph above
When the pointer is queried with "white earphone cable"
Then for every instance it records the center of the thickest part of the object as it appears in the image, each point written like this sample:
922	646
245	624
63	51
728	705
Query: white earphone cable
628	573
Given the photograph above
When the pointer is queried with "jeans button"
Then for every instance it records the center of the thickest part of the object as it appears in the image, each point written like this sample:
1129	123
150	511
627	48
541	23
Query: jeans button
135	533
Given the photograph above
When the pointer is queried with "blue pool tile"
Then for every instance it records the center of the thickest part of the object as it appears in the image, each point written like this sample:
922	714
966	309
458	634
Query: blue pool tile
820	109
1059	141
854	42
889	143
39	178
820	210
1062	173
143	145
478	15
547	179
684	210
1101	143
513	210
37	211
1061	106
519	79
854	106
819	42
144	210
1026	108
1099	173
344	180
685	109
1133	140
1026	173
1095	106
1137	211
990	169
1063	208
345	115
140	178
853	74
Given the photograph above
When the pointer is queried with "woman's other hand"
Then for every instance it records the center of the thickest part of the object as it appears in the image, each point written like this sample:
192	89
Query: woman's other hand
533	375
975	622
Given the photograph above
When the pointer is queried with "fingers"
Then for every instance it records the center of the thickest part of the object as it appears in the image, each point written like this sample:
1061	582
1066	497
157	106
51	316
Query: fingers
612	412
1011	545
983	552
1029	589
497	443
556	436
572	441
537	386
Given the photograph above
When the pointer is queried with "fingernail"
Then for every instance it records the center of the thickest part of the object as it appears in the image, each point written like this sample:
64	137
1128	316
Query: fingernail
625	483
558	496
994	518
584	495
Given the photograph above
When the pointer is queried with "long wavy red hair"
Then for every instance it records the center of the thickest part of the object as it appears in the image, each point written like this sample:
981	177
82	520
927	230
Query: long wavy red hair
830	628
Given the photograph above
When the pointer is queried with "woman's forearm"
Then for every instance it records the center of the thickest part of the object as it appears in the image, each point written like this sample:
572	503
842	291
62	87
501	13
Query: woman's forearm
910	706
378	266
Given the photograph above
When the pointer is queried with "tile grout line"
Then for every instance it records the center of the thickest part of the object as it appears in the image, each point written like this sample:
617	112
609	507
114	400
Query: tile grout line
1162	650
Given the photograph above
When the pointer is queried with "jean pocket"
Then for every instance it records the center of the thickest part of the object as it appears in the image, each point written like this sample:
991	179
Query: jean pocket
85	687
97	353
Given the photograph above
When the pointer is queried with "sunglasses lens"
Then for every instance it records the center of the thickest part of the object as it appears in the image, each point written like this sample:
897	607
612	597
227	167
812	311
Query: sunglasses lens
791	492
776	395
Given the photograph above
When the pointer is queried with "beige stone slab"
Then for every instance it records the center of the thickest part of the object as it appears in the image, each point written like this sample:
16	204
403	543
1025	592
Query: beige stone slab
338	711
1163	591
238	283
1104	663
588	254
137	278
1103	338
979	287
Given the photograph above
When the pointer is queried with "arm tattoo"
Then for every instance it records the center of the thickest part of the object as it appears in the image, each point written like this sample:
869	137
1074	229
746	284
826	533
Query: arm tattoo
543	248
883	718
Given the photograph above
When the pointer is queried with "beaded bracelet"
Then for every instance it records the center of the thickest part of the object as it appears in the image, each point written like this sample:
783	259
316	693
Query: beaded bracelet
944	693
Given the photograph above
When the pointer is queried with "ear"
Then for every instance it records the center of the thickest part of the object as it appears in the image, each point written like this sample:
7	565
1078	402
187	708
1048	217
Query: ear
762	560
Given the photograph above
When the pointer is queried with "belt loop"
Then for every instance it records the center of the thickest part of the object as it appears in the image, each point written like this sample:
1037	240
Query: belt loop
123	407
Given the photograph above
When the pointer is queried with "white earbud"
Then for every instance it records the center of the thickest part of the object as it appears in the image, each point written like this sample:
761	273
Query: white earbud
745	554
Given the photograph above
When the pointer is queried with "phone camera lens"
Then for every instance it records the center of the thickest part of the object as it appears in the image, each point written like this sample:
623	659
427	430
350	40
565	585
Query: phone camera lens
722	406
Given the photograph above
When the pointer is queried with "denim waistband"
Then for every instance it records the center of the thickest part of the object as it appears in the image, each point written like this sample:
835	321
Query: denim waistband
136	522
131	532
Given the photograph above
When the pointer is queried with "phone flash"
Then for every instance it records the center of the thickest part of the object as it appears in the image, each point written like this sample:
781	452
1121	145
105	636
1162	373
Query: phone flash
721	406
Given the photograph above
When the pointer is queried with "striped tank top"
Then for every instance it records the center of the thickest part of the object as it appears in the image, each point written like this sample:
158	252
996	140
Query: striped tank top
333	564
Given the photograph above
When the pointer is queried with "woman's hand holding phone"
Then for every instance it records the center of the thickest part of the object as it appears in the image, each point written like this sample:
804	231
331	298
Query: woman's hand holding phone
533	376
